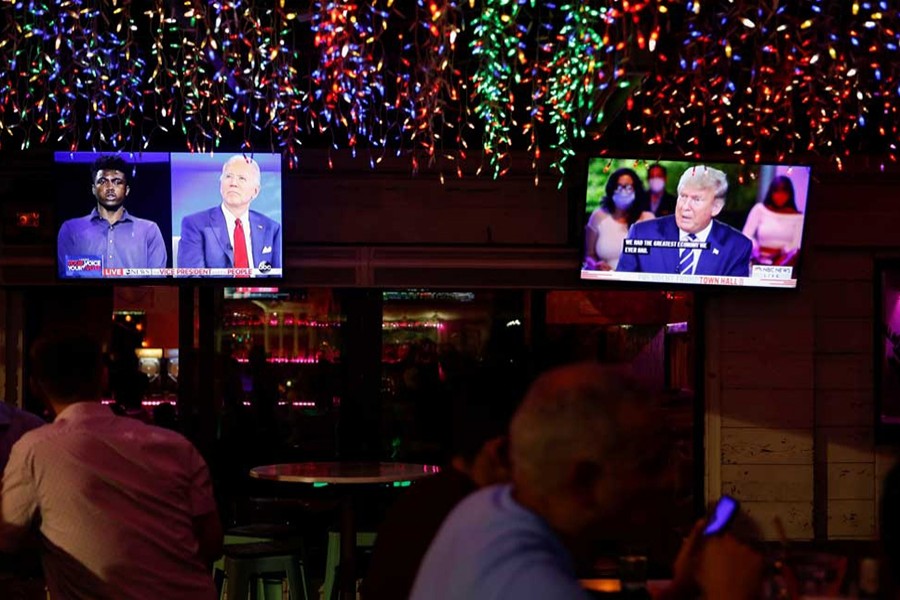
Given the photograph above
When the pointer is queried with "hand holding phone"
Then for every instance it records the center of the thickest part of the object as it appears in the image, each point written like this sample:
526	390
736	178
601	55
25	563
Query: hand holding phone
721	516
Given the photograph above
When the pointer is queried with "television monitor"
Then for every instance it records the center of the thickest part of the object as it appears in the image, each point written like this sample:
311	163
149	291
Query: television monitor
183	215
254	293
694	223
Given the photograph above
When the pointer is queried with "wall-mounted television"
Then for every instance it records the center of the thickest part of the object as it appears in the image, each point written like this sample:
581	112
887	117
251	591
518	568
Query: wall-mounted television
254	293
158	215
694	223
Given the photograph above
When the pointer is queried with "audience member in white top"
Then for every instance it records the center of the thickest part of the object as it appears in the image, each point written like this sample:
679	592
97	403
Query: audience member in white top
775	225
122	509
622	206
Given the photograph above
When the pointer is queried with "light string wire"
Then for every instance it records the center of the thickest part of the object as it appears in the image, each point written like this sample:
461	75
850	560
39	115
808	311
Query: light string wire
773	79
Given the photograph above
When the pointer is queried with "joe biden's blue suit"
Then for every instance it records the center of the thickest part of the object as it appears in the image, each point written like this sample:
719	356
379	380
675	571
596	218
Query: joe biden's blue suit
205	243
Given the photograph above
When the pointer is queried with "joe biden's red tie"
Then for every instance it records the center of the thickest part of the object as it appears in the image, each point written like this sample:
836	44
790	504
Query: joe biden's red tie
240	247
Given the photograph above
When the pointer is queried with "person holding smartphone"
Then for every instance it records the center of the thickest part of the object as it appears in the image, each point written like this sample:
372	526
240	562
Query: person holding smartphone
588	463
708	559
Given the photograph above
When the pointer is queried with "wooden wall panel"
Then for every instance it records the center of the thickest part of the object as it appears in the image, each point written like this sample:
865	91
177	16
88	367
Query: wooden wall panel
837	265
767	446
851	481
795	516
774	408
845	444
853	519
844	407
366	207
777	336
840	335
843	299
844	371
755	370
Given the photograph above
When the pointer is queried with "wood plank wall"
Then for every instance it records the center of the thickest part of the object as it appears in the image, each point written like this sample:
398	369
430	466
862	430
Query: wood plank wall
790	414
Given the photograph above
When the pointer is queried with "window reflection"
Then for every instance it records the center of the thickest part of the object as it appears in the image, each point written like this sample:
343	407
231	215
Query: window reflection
291	327
432	342
888	341
653	333
277	380
142	354
283	347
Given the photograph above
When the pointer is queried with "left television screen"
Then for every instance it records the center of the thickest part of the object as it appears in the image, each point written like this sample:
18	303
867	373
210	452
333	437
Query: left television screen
159	215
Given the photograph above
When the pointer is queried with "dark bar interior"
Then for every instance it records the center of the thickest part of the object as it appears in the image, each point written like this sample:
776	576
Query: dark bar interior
366	253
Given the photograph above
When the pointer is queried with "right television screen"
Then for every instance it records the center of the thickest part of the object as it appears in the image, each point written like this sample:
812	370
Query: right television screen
694	223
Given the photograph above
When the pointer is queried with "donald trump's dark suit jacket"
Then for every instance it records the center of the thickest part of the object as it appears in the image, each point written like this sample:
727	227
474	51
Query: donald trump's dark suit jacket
728	252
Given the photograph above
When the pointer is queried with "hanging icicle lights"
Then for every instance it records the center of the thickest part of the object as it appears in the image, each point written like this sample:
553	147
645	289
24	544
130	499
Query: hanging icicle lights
432	78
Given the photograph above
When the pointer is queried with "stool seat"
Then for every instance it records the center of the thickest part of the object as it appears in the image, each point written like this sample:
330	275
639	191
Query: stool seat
364	539
250	561
269	531
307	505
261	549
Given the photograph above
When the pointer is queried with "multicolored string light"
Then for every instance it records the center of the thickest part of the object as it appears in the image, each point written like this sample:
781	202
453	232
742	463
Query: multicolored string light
72	74
165	70
777	80
499	46
283	99
536	77
427	85
578	72
347	93
241	75
598	51
756	80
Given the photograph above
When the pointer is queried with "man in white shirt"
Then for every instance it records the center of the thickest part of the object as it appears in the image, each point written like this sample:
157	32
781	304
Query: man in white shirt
14	423
122	509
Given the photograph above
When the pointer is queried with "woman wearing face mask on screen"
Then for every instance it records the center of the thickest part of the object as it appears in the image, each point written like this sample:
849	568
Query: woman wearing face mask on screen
607	228
775	225
662	202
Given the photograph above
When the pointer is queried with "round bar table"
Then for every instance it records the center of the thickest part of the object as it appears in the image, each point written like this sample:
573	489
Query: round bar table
349	475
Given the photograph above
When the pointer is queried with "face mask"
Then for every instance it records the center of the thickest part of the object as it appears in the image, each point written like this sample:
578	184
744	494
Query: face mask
657	184
623	200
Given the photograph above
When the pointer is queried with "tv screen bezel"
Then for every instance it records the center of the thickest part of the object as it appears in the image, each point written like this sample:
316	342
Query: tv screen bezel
88	156
644	160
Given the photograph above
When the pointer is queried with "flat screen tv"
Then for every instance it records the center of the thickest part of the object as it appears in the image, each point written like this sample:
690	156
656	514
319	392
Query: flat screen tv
254	293
158	215
694	223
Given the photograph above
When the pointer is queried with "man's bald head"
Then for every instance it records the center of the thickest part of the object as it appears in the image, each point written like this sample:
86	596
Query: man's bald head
588	450
582	412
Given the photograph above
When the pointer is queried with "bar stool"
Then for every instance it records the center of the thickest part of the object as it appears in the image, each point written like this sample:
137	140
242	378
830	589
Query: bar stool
244	563
364	539
286	520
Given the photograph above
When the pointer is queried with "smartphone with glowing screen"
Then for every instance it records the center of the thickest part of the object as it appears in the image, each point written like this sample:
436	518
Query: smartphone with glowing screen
721	516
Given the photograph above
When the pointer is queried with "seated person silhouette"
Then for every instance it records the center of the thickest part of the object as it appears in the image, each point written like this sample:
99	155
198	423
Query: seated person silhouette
588	459
481	416
120	509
